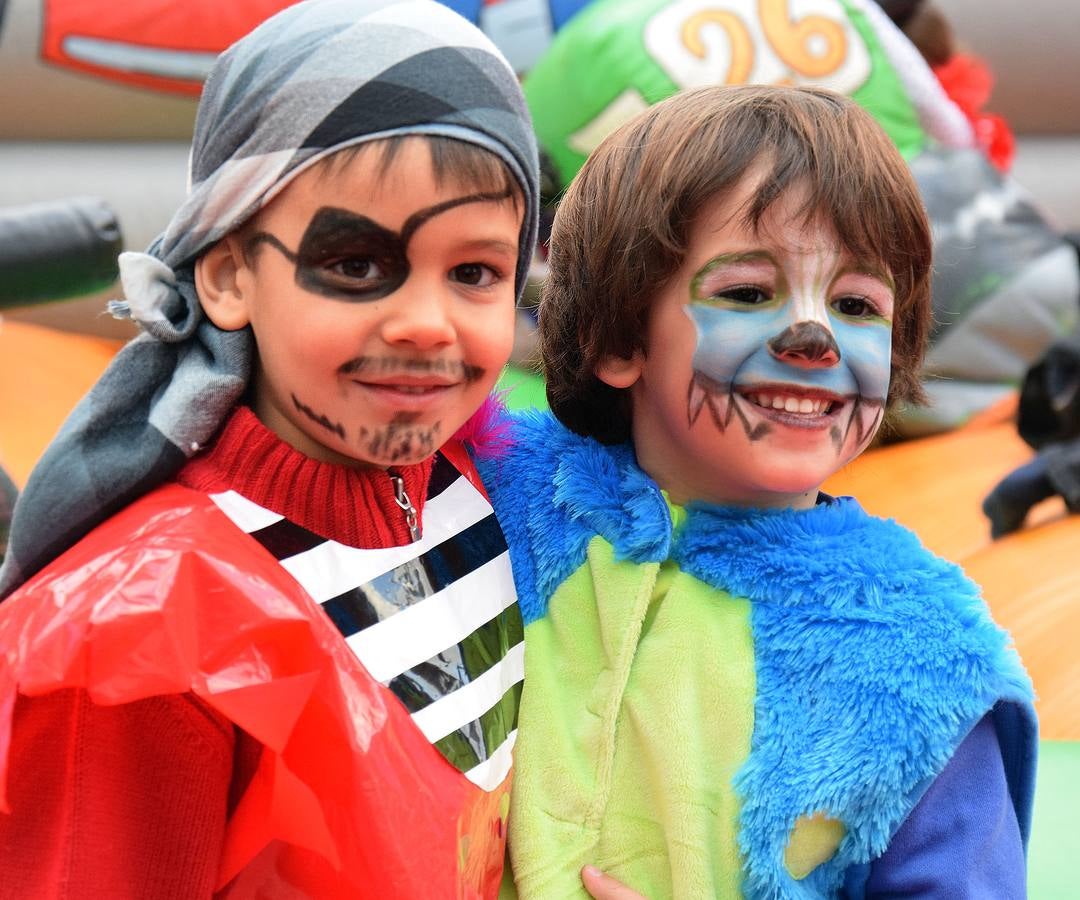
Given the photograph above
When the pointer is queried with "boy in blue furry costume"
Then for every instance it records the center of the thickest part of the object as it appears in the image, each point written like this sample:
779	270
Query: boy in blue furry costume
738	686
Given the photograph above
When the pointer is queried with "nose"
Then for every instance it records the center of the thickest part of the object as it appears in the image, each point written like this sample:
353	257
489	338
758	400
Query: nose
420	317
809	345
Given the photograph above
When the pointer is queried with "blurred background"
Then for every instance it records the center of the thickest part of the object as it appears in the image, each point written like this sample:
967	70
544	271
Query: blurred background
97	105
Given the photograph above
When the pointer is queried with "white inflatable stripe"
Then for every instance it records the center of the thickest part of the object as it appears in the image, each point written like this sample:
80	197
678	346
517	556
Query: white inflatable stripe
186	65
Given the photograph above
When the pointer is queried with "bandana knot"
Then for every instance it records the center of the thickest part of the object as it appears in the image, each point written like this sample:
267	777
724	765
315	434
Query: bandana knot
156	298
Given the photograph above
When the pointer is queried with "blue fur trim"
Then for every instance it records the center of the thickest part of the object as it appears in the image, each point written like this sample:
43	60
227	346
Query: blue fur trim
874	657
922	662
554	490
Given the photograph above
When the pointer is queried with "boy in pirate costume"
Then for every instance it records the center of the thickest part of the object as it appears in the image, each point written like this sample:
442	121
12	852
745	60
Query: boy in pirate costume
329	308
736	685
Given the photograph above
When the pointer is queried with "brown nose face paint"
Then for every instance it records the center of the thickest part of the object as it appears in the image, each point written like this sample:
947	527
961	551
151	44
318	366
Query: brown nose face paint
346	256
810	343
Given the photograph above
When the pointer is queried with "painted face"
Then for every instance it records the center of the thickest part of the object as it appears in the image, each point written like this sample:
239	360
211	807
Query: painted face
383	307
768	360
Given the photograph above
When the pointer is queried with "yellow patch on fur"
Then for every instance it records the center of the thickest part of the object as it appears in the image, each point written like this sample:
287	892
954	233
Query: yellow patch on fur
813	840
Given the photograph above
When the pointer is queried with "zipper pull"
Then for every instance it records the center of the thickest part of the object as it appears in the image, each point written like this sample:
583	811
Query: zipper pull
403	501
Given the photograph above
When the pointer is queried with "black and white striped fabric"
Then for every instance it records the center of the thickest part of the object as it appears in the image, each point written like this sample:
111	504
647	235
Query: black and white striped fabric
436	621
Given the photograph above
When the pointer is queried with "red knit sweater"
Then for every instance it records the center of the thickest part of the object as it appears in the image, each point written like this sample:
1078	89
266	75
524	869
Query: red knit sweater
131	801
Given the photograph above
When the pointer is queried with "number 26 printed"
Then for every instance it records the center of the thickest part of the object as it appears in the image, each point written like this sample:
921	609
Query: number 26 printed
702	42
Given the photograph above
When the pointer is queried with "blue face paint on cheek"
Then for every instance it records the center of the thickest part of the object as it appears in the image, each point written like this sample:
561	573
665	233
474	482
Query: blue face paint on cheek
866	349
726	338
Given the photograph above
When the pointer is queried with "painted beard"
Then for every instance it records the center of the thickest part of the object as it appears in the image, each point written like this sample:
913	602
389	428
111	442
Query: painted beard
400	440
856	414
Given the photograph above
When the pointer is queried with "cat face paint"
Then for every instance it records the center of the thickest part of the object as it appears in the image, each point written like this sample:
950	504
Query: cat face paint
790	349
767	362
384	330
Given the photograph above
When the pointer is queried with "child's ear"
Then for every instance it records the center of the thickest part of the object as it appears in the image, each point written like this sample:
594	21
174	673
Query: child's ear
620	372
220	281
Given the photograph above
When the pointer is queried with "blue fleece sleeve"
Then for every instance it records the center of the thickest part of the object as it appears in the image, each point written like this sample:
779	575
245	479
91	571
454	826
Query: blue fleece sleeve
962	839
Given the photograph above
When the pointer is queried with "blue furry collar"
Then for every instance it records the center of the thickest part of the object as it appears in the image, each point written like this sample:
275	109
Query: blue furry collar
874	657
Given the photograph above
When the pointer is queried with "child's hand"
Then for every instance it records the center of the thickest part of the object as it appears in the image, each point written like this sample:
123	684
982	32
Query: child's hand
604	887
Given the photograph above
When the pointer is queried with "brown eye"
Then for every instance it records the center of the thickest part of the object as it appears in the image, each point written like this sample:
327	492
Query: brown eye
473	274
854	307
361	269
746	295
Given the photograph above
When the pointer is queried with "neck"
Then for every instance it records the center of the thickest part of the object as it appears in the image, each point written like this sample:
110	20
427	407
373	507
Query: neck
671	474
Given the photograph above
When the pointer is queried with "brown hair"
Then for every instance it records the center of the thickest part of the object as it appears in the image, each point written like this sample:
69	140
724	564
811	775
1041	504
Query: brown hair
622	229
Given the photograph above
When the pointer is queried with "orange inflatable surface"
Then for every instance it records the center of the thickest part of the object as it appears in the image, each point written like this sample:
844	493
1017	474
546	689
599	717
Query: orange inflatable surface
43	373
935	486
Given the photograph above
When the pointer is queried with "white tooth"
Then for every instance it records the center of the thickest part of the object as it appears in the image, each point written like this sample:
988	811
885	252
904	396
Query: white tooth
819	406
778	402
762	400
806	405
791	405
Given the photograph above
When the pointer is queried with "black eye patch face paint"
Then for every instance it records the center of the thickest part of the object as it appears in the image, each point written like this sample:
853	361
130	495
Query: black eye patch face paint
346	256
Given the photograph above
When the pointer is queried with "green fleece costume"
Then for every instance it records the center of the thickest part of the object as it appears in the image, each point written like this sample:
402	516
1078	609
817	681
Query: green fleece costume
730	702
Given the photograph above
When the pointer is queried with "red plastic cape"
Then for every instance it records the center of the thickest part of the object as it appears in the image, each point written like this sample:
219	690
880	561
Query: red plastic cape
170	597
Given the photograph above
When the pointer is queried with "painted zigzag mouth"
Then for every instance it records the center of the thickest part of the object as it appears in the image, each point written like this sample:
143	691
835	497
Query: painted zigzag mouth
815	408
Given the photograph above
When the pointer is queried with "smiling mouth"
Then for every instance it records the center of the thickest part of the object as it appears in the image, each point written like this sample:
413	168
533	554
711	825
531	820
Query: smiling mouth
810	406
760	409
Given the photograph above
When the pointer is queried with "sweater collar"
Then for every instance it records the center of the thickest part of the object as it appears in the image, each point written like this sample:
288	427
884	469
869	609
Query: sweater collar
354	506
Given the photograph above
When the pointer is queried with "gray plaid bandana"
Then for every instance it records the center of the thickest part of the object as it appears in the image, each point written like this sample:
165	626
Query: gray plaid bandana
315	78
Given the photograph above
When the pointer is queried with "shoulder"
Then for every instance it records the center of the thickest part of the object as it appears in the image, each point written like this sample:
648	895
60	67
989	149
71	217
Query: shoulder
871	652
132	596
554	490
171	522
835	554
521	481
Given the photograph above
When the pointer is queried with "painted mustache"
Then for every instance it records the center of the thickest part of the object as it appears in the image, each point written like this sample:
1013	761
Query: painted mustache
725	405
392	365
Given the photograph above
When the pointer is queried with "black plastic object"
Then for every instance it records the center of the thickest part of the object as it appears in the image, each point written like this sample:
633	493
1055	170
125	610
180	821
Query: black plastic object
57	250
1050	397
7	503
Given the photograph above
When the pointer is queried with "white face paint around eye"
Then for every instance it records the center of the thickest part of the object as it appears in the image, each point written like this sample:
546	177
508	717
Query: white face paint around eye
768	360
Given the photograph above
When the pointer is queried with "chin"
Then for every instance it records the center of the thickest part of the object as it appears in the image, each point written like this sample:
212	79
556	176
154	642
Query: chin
801	480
